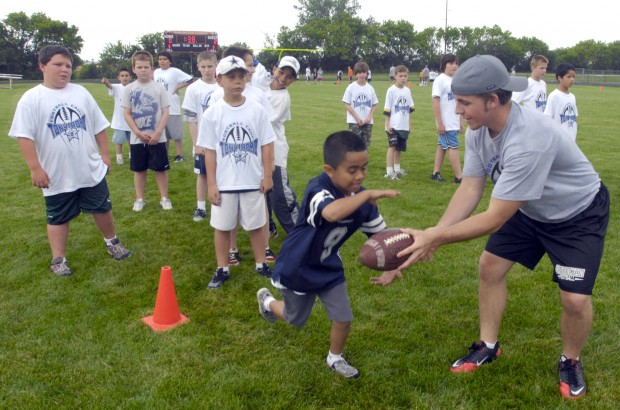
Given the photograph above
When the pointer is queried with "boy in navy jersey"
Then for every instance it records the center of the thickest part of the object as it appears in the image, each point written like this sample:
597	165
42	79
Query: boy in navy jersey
335	205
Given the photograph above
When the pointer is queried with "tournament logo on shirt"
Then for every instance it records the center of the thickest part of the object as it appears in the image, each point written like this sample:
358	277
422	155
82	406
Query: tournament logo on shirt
568	115
68	121
401	106
238	142
163	82
541	101
144	110
362	102
450	96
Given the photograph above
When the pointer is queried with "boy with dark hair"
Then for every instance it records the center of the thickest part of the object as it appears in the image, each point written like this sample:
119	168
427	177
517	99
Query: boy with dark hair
335	205
146	106
238	141
360	101
535	95
398	105
122	132
62	136
196	101
449	124
173	80
561	105
547	198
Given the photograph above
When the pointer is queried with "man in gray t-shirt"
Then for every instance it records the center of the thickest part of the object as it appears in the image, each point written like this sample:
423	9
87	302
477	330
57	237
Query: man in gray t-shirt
547	198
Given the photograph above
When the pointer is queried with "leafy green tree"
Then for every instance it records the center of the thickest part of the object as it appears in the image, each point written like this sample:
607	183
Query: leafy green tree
115	56
398	43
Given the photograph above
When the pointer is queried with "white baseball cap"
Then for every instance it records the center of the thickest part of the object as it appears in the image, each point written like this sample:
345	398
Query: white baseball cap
228	64
288	61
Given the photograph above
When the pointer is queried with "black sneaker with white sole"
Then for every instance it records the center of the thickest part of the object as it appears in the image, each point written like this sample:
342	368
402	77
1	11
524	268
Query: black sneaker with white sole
219	277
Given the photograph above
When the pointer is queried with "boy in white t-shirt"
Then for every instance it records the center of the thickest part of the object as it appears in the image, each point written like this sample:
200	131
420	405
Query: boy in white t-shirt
196	101
238	141
62	136
360	101
449	123
535	95
122	133
398	105
173	80
561	104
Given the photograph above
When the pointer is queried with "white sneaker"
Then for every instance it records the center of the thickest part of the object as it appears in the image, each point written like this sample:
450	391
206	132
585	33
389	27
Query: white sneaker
119	161
165	204
400	172
139	205
391	175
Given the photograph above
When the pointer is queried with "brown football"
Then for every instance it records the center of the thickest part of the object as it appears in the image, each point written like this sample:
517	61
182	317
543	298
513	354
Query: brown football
379	251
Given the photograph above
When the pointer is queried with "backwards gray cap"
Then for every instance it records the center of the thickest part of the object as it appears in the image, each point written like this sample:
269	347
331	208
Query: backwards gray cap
484	74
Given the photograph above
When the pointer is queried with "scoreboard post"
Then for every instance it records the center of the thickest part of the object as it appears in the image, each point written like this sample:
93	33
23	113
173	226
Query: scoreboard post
190	41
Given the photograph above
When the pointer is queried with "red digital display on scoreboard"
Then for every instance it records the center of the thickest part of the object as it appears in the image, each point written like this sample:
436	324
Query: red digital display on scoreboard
190	41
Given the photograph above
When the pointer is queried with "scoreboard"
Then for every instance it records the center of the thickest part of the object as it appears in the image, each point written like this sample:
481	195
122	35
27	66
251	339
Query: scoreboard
190	41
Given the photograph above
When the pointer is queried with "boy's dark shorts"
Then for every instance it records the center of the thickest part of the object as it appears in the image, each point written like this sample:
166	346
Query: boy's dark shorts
398	139
62	208
364	131
200	167
575	247
153	157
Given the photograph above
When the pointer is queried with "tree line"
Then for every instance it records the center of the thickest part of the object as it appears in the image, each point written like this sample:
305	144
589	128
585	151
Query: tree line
331	27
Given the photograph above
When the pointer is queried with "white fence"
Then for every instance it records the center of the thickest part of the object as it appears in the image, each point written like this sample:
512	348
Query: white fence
8	79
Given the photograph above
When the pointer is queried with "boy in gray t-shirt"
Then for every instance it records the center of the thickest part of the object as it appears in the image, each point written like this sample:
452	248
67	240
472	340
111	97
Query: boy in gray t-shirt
547	199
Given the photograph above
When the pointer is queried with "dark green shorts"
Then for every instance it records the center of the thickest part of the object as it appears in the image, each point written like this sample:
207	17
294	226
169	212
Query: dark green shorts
62	208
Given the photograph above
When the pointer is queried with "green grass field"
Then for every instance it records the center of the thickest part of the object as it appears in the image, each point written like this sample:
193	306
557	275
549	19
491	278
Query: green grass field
79	342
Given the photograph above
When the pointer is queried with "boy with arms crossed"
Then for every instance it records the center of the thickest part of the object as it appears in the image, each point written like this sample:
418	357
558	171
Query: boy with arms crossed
173	80
238	141
561	105
122	132
196	101
60	131
335	205
360	101
398	105
547	198
449	124
535	95
146	104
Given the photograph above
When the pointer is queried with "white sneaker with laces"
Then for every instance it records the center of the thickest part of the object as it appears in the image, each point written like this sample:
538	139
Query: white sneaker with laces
166	204
345	369
391	175
139	205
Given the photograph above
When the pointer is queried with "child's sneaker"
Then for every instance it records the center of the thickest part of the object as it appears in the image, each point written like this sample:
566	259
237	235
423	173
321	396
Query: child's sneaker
437	177
400	173
391	175
572	385
199	214
179	158
117	250
261	295
166	204
265	271
269	255
457	180
119	161
139	205
234	258
478	355
60	267
219	277
273	230
345	369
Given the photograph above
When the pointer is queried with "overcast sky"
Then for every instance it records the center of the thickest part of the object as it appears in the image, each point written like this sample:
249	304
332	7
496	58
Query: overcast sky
557	23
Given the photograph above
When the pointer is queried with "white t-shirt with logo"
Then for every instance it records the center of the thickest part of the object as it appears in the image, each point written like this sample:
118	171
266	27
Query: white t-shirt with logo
170	78
63	125
534	96
281	106
361	98
442	88
562	107
398	102
118	117
236	134
196	100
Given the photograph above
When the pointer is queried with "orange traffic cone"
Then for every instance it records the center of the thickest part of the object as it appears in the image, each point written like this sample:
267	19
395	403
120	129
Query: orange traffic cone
600	88
166	314
409	84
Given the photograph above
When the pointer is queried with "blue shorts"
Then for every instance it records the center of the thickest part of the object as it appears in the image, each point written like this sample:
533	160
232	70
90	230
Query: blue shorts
449	140
120	137
62	208
575	247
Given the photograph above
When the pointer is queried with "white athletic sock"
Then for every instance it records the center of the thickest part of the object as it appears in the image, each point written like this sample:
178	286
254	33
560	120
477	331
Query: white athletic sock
259	265
225	268
119	156
490	345
201	205
267	301
333	358
389	170
109	241
396	167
